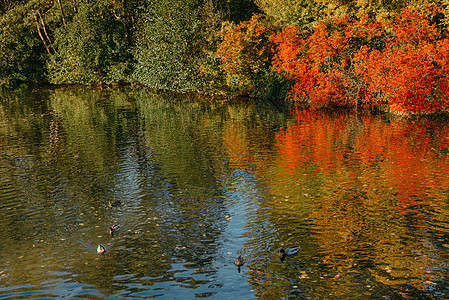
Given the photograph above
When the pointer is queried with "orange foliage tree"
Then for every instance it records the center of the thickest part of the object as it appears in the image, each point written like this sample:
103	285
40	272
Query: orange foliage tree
322	63
245	53
411	72
403	63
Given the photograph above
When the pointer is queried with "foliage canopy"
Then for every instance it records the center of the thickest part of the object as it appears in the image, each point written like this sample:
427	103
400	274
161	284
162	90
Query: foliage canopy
324	52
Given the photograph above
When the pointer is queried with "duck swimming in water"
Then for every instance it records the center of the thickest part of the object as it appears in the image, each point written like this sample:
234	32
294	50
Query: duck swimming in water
239	261
101	249
290	251
114	203
114	228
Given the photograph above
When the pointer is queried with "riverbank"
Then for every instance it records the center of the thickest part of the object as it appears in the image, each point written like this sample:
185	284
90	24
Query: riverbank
349	56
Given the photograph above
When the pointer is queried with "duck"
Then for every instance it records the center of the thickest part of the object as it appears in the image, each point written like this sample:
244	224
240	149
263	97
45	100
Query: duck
239	261
114	203
114	228
101	249
290	251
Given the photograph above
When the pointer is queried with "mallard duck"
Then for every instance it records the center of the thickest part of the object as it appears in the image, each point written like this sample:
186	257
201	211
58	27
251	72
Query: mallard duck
114	228
290	251
114	203
101	249
239	261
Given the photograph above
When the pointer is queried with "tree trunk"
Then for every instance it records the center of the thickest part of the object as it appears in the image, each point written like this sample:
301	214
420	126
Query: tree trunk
39	31
62	13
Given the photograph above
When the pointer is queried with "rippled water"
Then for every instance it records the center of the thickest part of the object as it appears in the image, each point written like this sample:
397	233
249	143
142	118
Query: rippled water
202	181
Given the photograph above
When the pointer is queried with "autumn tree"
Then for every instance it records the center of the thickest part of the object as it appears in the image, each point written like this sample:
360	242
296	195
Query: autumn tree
411	72
245	55
322	63
377	8
301	13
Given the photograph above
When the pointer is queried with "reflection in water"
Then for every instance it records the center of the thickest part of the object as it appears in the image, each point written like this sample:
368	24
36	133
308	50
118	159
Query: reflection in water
200	182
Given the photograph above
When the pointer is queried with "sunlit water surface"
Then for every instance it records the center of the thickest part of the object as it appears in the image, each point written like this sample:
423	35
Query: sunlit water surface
202	181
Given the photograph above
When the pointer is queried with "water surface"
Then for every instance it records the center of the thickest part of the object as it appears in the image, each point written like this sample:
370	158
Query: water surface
202	181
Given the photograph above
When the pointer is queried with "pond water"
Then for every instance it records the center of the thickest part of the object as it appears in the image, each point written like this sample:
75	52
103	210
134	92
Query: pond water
202	181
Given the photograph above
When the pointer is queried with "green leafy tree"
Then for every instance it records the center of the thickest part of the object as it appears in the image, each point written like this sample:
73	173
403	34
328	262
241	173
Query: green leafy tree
93	47
168	43
23	28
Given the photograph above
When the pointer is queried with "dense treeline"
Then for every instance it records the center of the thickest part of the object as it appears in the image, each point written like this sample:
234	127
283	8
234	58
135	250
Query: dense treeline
165	44
326	52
